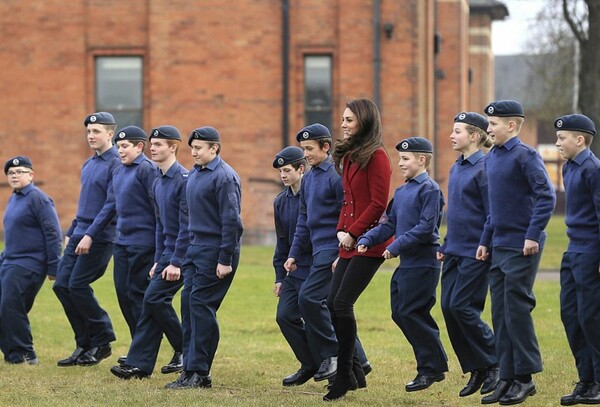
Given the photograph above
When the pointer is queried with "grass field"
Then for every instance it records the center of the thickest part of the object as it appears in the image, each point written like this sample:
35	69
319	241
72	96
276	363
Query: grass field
253	357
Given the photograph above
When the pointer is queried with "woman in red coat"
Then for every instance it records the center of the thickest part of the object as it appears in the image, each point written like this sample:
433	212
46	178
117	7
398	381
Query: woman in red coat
366	174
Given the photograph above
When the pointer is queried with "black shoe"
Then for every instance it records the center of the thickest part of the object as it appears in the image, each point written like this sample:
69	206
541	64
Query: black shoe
591	396
128	372
359	374
499	391
423	381
175	365
178	383
71	360
477	378
492	376
327	369
196	381
580	389
517	393
299	378
121	360
94	355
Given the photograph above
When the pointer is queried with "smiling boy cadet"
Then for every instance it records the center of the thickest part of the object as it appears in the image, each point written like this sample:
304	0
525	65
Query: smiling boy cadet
88	249
321	197
290	163
521	199
131	200
413	218
579	271
172	239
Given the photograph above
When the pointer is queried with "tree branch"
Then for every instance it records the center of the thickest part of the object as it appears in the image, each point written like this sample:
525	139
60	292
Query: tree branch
575	27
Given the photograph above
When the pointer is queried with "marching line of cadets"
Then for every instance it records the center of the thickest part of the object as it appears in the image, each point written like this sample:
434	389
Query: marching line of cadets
334	214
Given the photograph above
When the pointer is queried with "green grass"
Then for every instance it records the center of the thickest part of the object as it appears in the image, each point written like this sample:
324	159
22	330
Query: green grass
253	357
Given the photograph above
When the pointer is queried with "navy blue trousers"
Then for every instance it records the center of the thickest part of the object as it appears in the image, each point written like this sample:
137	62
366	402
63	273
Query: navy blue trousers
158	317
90	323
131	267
18	288
511	287
290	321
580	311
412	298
201	298
313	307
464	289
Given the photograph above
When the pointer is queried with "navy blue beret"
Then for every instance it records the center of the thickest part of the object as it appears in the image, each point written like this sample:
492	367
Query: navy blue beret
472	118
415	145
505	108
166	132
99	118
18	161
287	156
314	131
205	133
131	133
575	122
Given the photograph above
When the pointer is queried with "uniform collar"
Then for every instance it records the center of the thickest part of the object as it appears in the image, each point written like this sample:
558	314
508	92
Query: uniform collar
25	190
139	159
325	164
581	157
420	178
107	154
472	159
173	169
214	163
511	143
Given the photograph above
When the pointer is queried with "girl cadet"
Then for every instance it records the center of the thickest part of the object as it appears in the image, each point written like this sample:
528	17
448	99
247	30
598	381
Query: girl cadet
464	278
366	174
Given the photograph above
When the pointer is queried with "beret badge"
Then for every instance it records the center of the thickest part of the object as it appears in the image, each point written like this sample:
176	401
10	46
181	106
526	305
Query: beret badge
404	145
15	161
93	119
490	109
559	123
462	116
156	132
305	135
122	134
280	161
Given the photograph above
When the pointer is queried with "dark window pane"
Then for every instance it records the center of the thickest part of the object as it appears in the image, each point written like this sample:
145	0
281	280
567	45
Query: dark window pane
119	88
317	89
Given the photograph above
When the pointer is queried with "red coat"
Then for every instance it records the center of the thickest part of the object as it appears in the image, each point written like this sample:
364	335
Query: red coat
365	199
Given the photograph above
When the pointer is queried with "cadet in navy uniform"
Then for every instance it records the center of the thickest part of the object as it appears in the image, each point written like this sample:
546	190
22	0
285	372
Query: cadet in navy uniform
32	238
464	278
413	218
213	195
291	164
130	195
172	239
321	198
89	247
579	277
521	201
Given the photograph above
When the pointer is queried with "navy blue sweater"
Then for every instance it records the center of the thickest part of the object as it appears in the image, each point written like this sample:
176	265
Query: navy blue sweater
172	236
413	217
286	209
130	199
581	177
321	197
521	196
96	179
32	235
214	200
468	206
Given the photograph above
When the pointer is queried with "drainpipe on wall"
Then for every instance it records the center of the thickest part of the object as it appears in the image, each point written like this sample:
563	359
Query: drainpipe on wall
377	53
285	64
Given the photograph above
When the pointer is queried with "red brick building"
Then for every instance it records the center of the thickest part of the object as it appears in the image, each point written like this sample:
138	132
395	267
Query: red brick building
256	70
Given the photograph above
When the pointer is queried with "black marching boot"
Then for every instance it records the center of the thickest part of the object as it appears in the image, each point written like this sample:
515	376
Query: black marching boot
345	330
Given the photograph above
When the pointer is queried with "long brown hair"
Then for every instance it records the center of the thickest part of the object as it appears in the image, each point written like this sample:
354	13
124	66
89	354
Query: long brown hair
362	145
